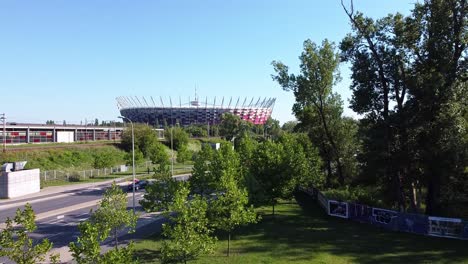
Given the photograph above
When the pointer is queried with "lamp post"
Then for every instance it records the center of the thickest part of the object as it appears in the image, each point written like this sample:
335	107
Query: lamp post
133	159
3	118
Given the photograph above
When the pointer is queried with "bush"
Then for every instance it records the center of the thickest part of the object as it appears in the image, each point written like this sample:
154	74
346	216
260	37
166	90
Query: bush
357	194
74	177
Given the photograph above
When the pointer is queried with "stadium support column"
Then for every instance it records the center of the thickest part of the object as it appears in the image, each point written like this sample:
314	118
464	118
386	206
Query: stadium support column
94	134
28	140
76	134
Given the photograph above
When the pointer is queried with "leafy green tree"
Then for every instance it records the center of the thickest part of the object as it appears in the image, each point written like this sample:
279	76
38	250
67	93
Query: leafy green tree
201	181
267	162
289	126
139	158
188	235
184	154
145	138
111	218
229	126
229	208
313	91
157	153
104	159
418	64
272	128
15	241
179	137
160	193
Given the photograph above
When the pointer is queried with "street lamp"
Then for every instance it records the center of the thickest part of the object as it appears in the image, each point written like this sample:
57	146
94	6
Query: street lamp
133	159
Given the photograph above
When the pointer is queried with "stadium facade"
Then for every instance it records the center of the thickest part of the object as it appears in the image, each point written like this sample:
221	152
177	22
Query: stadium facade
160	113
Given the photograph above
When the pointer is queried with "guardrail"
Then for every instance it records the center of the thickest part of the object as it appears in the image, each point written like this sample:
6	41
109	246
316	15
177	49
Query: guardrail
392	220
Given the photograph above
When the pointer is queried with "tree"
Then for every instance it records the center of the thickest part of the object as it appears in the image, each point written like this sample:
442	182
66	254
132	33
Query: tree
108	220
289	126
229	208
160	193
15	241
267	162
417	63
104	159
313	91
179	137
157	153
184	154
139	158
144	137
201	181
188	235
229	126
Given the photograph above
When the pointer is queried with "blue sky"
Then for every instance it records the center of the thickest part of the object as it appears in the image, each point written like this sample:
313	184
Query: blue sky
69	60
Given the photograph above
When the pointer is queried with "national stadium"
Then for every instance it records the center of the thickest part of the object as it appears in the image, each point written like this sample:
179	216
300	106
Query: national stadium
184	113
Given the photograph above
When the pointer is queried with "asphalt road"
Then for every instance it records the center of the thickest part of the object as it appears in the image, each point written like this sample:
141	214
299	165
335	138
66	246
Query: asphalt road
58	214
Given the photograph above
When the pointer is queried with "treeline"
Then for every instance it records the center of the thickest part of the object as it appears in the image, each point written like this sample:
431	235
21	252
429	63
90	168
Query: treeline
225	186
409	85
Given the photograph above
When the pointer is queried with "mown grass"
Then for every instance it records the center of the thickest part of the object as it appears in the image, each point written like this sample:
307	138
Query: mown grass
302	233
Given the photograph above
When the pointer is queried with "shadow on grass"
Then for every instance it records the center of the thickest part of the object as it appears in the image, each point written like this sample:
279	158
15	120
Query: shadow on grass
148	255
306	233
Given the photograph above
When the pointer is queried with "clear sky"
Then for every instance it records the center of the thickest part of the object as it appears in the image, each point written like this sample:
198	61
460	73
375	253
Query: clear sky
69	60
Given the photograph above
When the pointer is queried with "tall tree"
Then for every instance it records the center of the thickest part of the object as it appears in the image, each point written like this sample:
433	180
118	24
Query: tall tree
188	235
201	181
229	209
418	64
16	243
108	220
313	91
439	94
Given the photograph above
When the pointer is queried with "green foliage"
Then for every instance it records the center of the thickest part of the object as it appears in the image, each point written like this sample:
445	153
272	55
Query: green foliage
87	249
179	137
358	194
317	108
201	181
109	219
189	235
184	154
197	130
15	241
145	138
105	158
139	158
229	208
409	82
160	193
56	159
157	153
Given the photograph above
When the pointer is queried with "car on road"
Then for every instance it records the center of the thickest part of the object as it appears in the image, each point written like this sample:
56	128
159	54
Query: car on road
139	184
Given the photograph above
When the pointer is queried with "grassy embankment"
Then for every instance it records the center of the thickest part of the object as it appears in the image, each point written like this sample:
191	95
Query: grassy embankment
302	233
71	159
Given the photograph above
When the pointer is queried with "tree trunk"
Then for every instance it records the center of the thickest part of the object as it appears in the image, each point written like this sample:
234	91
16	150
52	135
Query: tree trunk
273	208
229	240
332	143
115	235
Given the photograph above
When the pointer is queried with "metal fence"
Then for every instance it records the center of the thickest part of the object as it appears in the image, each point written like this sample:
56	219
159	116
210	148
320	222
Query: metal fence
70	175
392	220
81	175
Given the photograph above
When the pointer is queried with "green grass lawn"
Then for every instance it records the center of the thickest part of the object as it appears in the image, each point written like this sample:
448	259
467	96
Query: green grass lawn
304	234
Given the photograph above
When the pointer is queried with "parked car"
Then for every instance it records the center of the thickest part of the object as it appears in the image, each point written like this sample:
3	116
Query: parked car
139	184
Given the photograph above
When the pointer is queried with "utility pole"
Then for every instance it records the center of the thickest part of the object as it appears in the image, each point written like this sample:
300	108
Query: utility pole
4	132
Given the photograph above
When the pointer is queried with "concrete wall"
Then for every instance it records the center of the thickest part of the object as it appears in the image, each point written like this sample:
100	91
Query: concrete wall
19	183
65	136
